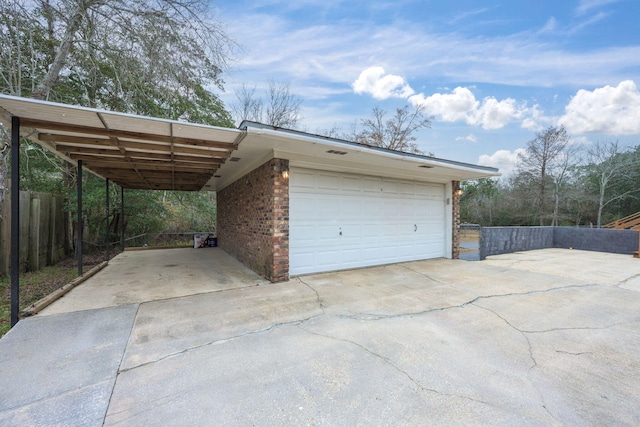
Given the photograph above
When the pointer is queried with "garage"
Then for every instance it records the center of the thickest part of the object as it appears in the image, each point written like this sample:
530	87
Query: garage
288	202
342	221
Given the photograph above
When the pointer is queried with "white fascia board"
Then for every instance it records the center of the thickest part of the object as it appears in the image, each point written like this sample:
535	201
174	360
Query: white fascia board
455	170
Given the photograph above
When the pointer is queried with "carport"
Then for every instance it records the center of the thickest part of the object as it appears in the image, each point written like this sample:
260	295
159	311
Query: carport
131	151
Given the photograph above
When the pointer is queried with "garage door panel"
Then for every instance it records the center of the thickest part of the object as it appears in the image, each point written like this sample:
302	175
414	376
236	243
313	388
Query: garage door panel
326	181
371	185
382	221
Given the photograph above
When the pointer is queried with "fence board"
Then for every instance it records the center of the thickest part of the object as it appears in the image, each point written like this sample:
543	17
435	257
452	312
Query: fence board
43	227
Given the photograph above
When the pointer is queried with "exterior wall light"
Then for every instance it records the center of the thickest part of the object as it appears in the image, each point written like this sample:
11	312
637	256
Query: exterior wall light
285	174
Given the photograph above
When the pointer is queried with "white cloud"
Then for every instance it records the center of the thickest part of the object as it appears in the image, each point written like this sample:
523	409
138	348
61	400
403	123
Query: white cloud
536	119
504	160
461	105
609	110
586	5
494	114
448	107
374	81
470	138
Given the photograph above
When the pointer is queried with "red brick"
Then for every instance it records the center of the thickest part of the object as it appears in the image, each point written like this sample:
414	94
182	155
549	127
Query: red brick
253	223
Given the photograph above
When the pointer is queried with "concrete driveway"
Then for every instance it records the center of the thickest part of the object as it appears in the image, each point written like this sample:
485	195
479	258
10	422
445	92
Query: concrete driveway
191	337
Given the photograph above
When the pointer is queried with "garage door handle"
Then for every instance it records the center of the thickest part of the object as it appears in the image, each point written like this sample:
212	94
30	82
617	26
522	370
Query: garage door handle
341	231
415	227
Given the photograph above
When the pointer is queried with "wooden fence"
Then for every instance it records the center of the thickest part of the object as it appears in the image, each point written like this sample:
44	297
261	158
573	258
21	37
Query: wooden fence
43	231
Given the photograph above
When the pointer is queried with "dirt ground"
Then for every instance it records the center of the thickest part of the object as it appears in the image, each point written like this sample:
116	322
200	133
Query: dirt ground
35	285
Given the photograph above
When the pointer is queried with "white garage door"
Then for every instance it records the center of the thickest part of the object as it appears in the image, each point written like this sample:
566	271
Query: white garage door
340	221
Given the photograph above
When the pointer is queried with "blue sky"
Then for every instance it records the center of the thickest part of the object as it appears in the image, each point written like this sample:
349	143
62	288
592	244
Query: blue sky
491	73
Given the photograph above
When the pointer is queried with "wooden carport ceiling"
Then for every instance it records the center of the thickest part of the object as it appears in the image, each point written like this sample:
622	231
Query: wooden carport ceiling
131	151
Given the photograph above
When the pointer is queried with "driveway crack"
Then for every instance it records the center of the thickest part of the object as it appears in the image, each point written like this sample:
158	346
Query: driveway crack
573	353
318	299
124	351
222	341
424	275
376	316
393	365
624	282
523	333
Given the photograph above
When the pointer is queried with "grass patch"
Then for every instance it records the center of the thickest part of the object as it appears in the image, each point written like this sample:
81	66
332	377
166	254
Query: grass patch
34	286
469	235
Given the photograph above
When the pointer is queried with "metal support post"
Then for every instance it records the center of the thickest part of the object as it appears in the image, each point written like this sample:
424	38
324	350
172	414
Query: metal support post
79	234
15	219
122	218
107	236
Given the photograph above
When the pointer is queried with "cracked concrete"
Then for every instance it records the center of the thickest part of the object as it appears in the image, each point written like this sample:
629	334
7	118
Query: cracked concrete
191	337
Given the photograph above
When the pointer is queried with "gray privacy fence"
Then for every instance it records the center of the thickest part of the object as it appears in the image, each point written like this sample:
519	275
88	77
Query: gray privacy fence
43	231
504	240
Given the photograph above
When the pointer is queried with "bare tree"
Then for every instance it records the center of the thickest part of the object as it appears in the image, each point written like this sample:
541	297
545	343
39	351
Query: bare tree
539	157
283	107
559	171
396	133
279	107
609	164
248	105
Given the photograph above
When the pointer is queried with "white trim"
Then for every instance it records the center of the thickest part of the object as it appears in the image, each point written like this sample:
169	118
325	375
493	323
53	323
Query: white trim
448	220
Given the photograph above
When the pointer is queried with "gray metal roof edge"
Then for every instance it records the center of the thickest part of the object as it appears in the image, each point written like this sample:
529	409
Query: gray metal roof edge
248	123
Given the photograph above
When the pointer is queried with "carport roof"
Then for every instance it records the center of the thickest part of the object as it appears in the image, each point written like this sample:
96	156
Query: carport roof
149	153
131	151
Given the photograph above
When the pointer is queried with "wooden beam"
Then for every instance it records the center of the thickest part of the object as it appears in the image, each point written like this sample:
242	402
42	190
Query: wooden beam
129	174
74	149
168	181
146	146
115	140
166	187
112	133
142	168
113	161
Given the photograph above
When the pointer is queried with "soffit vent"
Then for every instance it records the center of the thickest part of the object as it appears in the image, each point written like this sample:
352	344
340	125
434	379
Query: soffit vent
340	153
234	159
426	166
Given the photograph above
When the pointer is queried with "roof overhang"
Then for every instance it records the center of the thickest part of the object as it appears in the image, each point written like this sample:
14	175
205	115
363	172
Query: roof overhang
263	143
131	151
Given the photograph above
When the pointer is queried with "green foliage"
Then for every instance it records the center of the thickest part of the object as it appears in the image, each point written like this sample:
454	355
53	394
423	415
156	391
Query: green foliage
40	170
156	59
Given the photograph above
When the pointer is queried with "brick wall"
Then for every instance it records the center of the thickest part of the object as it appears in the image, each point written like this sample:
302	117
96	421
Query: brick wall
455	206
253	220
